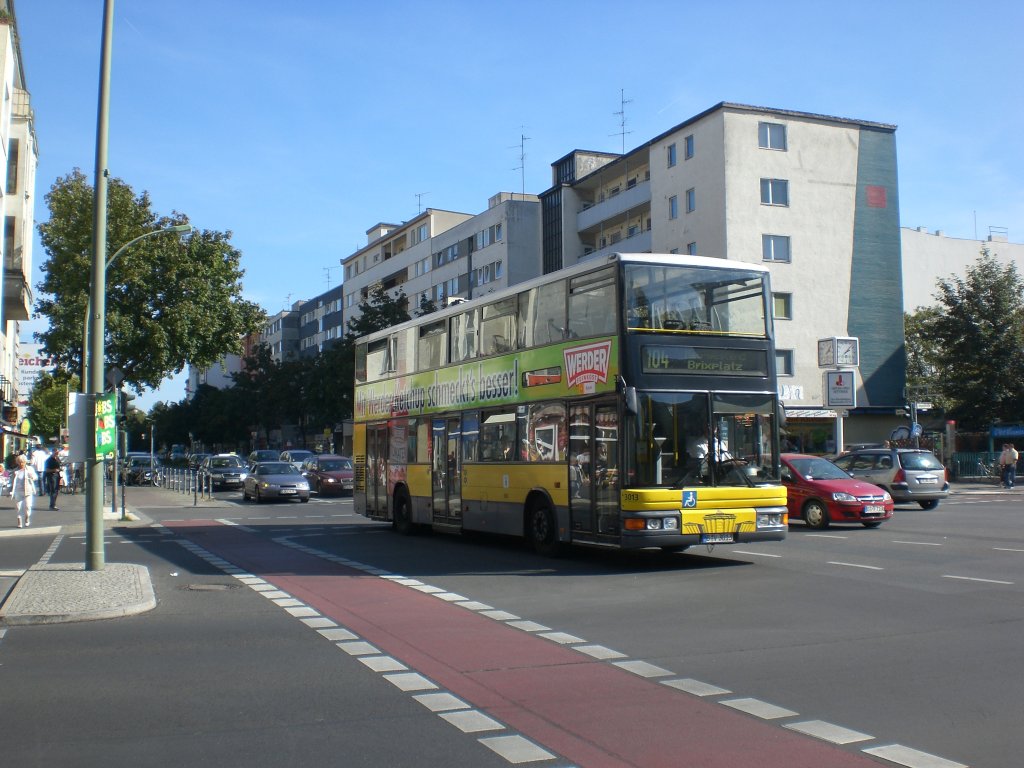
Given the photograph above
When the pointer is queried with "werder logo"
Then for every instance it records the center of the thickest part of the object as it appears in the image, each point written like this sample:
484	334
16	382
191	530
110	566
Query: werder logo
587	364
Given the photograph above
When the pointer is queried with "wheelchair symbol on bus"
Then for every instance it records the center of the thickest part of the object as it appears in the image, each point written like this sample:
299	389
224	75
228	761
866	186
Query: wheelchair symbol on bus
689	499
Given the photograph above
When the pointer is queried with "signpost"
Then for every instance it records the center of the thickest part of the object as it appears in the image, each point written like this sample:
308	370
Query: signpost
841	353
106	424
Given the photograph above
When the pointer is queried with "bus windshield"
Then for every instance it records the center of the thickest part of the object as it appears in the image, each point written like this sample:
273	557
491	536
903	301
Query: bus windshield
688	438
683	298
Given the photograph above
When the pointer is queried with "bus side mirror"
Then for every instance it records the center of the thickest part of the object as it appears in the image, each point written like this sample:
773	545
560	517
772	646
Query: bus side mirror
781	409
631	402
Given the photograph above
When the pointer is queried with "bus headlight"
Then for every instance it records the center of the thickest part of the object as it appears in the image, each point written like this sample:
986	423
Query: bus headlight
670	523
772	517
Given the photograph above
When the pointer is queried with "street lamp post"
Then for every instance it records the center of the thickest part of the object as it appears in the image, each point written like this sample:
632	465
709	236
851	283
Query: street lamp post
88	299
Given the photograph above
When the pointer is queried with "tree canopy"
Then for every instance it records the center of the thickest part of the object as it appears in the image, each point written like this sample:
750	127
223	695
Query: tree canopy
47	403
170	301
969	348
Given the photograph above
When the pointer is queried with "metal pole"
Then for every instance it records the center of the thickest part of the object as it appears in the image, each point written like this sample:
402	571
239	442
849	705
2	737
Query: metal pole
94	469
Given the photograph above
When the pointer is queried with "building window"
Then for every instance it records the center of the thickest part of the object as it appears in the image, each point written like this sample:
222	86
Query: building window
688	153
691	248
691	200
771	136
13	148
774	192
671	153
784	362
673	207
782	306
775	248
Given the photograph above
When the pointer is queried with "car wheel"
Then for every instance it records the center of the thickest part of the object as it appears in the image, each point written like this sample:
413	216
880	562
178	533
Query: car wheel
402	520
304	499
245	493
872	524
815	515
930	504
319	488
259	498
543	529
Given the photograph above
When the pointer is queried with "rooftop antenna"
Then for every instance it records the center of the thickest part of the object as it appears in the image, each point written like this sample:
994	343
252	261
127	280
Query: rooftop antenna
419	202
327	270
522	161
287	301
623	101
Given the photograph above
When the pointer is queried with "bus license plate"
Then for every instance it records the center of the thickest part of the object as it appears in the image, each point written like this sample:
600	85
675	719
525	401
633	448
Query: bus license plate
716	538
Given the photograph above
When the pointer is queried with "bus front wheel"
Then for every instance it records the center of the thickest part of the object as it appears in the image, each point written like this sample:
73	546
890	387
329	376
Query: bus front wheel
544	529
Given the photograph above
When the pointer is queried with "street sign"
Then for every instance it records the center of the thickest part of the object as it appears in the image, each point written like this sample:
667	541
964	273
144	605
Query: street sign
841	389
106	424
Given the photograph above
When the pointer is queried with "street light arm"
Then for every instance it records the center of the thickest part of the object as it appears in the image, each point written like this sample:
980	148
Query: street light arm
143	236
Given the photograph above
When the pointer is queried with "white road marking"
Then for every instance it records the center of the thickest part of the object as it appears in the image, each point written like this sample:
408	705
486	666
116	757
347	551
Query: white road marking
911	758
696	687
826	536
919	543
516	749
440	702
472	721
972	578
756	554
599	652
828	732
528	626
383	663
642	668
759	708
856	565
1006	549
562	638
410	681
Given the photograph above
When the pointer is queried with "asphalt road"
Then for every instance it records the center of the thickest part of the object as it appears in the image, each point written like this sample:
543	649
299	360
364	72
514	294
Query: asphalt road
903	640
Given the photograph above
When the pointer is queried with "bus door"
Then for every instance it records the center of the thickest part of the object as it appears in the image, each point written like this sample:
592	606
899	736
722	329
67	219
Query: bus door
447	471
376	470
594	448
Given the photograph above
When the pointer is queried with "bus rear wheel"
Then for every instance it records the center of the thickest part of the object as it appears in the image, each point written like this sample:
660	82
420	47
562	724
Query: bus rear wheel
543	529
402	520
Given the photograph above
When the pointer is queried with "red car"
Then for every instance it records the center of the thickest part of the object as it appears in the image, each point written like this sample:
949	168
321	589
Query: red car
820	493
329	474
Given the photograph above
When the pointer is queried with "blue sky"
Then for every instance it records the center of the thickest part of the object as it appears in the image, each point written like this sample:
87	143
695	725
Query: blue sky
299	125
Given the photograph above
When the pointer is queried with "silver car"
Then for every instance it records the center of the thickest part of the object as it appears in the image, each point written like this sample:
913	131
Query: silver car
908	474
275	480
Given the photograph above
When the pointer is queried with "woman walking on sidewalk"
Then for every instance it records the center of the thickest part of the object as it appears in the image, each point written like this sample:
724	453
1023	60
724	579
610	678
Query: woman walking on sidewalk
23	490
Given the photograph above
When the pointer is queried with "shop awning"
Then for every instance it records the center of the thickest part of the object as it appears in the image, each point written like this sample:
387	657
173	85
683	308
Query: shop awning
810	413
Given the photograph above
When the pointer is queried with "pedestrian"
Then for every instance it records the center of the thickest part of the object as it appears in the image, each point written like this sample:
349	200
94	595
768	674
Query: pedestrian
39	457
23	490
51	478
1008	465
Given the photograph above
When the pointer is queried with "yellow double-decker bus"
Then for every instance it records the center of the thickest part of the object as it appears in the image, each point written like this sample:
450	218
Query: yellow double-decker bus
626	402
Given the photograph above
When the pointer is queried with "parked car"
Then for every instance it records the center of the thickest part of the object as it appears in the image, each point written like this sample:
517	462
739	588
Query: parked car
223	470
263	455
196	459
908	474
296	457
329	474
275	480
820	493
140	469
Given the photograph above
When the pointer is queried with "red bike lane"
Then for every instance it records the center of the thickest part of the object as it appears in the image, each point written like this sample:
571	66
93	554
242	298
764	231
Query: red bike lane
590	712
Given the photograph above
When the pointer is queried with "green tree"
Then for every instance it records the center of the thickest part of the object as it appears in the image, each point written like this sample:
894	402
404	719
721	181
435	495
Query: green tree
378	311
972	342
170	301
47	404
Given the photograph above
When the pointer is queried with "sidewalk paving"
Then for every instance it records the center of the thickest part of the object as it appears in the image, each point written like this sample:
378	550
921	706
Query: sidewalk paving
48	593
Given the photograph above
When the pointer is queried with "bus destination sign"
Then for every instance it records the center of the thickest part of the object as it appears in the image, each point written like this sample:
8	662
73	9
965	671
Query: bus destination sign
709	361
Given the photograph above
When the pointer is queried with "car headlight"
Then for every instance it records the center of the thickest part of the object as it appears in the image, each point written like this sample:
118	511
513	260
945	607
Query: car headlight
886	496
302	486
331	480
841	496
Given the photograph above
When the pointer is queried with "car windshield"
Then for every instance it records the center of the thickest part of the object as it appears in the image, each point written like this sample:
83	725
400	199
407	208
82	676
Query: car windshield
335	465
818	469
915	460
277	468
299	455
226	461
267	456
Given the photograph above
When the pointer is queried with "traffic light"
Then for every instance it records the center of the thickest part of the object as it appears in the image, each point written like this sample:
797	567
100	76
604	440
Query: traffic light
123	398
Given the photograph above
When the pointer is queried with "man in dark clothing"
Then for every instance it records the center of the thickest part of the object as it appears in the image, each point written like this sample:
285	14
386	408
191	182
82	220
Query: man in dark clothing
51	470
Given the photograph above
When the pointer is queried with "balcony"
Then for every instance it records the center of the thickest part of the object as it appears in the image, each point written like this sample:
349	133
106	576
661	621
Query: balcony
638	243
17	296
614	205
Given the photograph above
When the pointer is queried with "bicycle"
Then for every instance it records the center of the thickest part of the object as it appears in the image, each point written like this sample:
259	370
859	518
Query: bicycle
988	470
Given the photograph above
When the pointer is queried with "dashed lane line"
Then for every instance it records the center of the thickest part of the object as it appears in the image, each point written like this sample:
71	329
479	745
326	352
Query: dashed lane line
856	565
516	748
974	578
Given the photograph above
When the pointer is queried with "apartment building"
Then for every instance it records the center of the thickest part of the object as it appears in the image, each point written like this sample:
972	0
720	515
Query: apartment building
281	333
322	322
18	142
813	197
440	255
